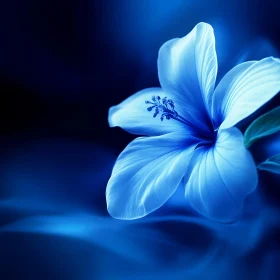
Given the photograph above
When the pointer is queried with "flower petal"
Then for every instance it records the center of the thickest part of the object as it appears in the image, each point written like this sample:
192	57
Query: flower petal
147	173
222	177
187	67
132	115
219	97
245	89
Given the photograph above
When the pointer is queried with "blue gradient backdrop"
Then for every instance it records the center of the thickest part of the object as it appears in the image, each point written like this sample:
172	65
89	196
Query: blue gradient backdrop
62	65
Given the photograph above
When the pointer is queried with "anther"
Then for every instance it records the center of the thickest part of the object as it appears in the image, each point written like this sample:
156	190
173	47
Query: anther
167	109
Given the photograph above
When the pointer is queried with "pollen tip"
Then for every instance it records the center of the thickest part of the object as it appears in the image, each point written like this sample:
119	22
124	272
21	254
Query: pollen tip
164	106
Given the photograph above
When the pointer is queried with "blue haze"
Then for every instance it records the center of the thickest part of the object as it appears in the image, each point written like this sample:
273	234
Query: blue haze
63	64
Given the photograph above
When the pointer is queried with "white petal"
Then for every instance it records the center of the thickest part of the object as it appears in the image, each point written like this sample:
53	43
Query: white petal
222	177
187	67
146	174
245	89
132	115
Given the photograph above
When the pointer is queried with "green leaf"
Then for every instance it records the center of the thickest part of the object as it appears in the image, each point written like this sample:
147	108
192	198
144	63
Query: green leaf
272	164
265	125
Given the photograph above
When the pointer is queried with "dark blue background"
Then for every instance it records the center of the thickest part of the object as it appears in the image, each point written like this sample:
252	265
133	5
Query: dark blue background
62	65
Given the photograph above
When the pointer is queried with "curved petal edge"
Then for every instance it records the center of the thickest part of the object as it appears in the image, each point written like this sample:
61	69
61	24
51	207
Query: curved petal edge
222	177
146	174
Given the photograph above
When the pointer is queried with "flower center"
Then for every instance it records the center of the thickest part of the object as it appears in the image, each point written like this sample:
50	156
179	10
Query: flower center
208	140
166	108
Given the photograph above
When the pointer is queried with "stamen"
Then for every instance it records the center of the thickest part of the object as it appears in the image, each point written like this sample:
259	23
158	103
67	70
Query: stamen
166	107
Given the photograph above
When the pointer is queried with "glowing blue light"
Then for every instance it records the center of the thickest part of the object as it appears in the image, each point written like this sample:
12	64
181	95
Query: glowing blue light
205	150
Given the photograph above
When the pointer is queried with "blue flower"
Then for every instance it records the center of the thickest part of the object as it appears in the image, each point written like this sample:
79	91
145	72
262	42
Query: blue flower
189	131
